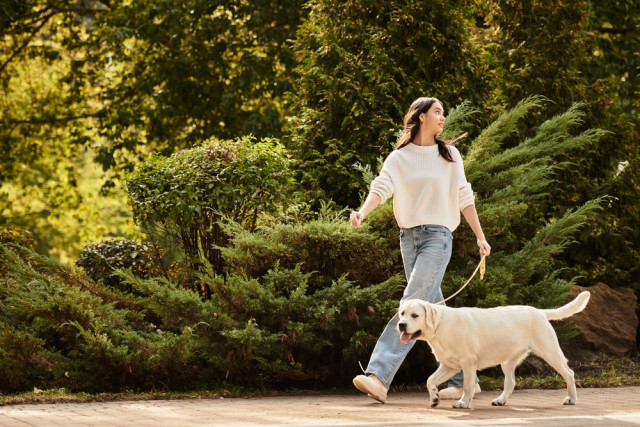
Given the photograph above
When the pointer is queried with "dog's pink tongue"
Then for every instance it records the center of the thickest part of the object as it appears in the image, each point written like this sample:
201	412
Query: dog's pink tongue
405	337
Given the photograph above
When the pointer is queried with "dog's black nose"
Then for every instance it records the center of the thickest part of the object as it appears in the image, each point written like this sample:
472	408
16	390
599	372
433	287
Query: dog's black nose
402	326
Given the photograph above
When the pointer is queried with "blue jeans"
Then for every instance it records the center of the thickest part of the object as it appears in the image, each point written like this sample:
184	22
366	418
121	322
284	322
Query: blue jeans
426	251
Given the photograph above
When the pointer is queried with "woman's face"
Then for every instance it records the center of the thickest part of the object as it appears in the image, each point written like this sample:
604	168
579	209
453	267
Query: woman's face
432	121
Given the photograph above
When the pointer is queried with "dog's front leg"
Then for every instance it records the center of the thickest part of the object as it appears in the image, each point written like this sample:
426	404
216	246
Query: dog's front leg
441	374
469	373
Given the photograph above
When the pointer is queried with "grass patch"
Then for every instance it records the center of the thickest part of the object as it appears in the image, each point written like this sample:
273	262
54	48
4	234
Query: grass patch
618	372
62	395
607	372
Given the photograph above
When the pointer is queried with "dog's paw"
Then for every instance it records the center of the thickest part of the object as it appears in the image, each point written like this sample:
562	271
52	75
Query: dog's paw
498	402
461	405
569	401
434	402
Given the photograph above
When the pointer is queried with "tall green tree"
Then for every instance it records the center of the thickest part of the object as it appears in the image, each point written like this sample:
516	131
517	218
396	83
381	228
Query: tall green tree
538	46
118	80
45	116
362	63
172	74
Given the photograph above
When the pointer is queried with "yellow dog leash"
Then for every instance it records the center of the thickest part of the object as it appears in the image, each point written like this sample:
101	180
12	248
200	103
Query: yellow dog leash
481	266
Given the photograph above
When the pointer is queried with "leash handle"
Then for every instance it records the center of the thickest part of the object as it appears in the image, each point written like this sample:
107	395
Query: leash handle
482	266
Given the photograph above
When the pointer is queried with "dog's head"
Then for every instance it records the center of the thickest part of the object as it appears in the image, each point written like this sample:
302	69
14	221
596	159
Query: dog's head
416	317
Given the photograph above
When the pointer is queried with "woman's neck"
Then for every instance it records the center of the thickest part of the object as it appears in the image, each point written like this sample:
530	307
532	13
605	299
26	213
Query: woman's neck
424	139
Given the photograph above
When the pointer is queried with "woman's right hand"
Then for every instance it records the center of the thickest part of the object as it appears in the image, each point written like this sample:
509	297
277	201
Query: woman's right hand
356	218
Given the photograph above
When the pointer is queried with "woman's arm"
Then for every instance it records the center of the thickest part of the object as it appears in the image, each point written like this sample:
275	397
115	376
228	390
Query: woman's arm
471	215
372	202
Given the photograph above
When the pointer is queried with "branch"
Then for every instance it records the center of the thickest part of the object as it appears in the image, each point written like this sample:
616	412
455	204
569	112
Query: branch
81	9
45	19
607	30
51	120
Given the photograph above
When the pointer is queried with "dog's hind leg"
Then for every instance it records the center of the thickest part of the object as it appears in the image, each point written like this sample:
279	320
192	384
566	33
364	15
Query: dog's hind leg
550	351
559	363
441	374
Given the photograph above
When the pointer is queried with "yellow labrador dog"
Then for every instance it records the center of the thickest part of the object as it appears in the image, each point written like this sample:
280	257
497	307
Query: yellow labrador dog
470	339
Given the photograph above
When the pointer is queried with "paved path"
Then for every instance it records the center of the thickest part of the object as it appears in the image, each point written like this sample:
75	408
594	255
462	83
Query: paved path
596	407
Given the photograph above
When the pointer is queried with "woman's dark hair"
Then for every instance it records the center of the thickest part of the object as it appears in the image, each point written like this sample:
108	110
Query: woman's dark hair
412	126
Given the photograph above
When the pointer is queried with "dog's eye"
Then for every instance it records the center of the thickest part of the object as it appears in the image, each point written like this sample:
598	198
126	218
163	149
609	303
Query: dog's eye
414	315
402	314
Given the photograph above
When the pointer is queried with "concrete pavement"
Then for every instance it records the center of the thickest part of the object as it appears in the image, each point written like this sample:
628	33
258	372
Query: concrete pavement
596	407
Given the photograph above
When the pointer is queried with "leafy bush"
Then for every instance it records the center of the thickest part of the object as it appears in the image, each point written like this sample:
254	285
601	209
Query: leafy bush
187	195
100	260
18	236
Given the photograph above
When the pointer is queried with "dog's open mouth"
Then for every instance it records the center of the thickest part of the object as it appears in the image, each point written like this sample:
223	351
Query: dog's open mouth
405	337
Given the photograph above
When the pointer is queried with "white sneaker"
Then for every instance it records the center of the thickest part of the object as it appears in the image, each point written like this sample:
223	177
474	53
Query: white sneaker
371	385
455	393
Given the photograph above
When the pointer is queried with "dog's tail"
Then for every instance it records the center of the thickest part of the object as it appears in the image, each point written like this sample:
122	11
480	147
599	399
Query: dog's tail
575	306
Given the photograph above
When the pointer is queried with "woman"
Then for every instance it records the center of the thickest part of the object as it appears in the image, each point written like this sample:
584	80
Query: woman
426	178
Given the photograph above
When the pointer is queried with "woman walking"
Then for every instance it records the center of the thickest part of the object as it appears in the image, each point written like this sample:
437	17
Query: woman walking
426	178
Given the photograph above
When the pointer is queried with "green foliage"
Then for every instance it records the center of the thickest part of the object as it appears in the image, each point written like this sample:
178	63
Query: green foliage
119	81
189	194
614	61
173	74
116	81
361	64
516	186
101	260
273	329
295	334
325	250
610	253
523	36
17	236
527	217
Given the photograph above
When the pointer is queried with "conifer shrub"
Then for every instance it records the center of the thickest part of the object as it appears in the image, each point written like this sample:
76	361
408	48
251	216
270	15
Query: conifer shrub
327	250
265	331
18	237
101	259
24	360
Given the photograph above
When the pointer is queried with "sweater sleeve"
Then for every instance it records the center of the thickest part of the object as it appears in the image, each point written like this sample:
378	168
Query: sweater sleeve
382	185
465	193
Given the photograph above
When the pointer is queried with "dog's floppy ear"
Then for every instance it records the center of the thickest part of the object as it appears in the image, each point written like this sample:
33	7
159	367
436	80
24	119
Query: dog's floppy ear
430	315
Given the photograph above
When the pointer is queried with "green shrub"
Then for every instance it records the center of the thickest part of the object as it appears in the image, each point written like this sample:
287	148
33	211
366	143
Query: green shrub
326	250
15	236
271	330
187	195
101	259
24	361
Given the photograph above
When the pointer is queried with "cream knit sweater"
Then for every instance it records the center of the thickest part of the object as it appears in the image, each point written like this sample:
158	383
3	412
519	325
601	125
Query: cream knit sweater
426	188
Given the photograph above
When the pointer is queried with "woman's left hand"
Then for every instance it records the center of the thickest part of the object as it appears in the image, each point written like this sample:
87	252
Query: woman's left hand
485	249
